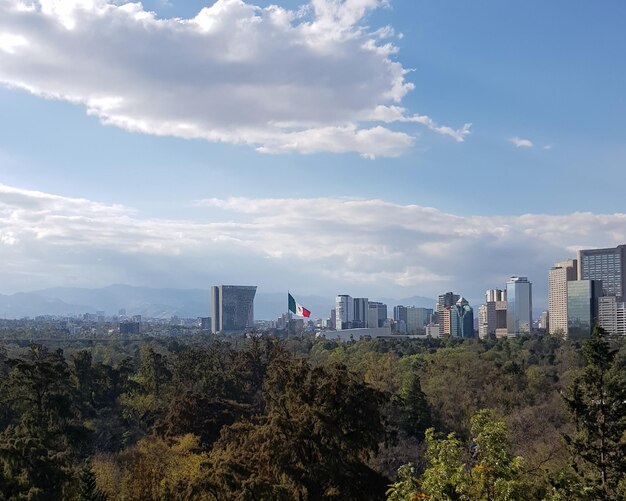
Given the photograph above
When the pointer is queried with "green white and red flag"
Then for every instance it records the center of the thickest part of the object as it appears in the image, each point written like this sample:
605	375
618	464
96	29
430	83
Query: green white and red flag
296	308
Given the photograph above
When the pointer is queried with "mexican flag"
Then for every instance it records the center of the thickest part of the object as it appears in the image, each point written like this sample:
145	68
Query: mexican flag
297	308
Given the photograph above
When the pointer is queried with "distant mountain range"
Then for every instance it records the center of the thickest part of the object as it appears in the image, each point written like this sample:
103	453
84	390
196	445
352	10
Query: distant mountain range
159	303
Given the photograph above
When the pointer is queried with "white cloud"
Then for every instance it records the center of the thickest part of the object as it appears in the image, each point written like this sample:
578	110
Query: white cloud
389	114
521	143
372	246
276	79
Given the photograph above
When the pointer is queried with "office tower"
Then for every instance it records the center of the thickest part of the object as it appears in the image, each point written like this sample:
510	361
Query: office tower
377	314
444	301
344	312
607	313
612	315
372	316
333	318
361	307
558	276
519	317
582	307
461	319
483	319
492	314
417	318
232	308
493	295
399	313
621	319
445	322
607	265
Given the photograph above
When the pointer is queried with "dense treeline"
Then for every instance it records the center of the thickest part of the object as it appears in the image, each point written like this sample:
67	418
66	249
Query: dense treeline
258	418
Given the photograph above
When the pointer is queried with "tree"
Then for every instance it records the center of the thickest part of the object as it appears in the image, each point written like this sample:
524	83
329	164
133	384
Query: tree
201	416
320	427
87	488
153	470
36	449
414	408
482	470
596	400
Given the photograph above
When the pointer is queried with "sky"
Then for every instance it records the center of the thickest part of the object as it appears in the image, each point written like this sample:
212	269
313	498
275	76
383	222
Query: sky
366	147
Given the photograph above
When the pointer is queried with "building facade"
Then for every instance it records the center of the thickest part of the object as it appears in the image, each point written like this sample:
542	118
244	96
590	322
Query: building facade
417	318
582	307
461	319
232	308
519	318
344	312
377	314
558	276
607	265
492	314
361	313
445	300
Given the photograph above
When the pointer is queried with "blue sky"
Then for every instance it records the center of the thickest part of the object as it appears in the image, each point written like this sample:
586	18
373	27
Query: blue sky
267	154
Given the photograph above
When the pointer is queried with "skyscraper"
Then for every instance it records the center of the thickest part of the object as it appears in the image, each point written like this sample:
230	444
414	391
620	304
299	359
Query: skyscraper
446	300
344	312
416	319
361	307
607	265
558	276
377	314
232	308
519	317
492	314
582	307
461	319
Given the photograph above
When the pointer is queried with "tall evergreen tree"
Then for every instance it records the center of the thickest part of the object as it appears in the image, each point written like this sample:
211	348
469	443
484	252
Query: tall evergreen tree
596	400
87	488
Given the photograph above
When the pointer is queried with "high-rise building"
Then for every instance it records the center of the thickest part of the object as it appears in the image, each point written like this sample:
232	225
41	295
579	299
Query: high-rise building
399	313
519	317
361	307
483	319
344	312
461	319
607	313
377	313
612	315
582	307
446	300
417	318
489	313
621	319
607	265
558	276
232	308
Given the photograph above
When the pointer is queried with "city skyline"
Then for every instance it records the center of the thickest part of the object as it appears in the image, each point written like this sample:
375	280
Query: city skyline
333	153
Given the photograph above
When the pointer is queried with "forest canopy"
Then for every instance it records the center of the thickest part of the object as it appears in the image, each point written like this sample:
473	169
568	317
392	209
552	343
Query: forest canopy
199	417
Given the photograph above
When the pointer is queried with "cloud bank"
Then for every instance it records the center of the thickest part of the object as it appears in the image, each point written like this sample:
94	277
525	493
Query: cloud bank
317	245
280	80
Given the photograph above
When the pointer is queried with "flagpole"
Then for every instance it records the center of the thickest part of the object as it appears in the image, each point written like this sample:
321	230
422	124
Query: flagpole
288	322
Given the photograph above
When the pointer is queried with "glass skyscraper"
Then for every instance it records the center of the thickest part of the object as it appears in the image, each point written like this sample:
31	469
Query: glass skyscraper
582	307
461	319
519	318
